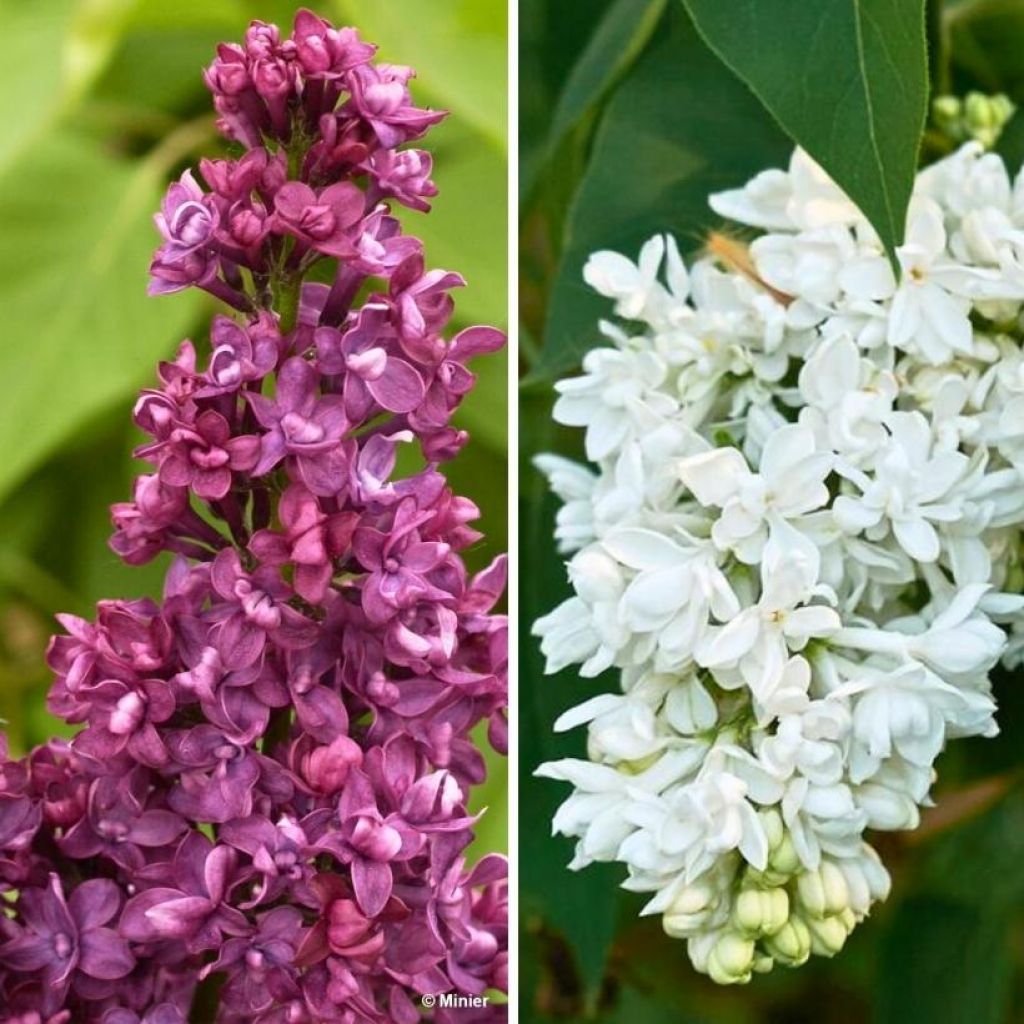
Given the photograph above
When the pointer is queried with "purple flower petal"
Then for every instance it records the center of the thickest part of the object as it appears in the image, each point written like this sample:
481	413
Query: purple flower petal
105	955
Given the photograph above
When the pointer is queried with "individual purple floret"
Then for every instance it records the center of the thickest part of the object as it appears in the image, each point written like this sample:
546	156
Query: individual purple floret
262	817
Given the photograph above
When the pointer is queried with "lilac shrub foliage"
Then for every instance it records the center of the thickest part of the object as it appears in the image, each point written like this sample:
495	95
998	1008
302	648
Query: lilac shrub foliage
263	815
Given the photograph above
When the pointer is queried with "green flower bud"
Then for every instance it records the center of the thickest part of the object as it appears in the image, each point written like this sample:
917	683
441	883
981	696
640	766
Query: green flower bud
986	116
978	111
977	116
732	959
774	829
783	860
946	110
688	910
791	944
828	934
779	911
824	891
811	893
761	911
746	912
837	891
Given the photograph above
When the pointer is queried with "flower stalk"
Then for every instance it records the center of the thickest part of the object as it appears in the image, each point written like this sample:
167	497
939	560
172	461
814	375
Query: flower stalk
261	818
796	539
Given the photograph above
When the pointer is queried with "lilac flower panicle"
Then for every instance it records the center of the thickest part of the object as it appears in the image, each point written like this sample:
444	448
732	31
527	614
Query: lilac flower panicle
262	816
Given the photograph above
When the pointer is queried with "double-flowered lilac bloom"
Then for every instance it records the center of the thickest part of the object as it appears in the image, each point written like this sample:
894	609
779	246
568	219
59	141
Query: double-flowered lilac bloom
262	817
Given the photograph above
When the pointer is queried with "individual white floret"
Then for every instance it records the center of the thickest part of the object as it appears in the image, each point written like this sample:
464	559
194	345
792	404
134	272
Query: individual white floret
618	398
596	812
789	483
908	490
758	640
574	485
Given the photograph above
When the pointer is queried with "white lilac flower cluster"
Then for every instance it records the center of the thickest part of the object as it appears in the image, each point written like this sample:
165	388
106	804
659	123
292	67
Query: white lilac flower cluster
799	544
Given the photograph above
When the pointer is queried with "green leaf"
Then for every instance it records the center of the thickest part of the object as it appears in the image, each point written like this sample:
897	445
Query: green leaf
93	35
491	798
484	412
31	69
1011	143
53	52
578	907
79	331
679	127
551	38
459	52
634	1007
617	41
467	231
985	39
846	79
157	71
467	228
223	14
942	961
621	34
979	861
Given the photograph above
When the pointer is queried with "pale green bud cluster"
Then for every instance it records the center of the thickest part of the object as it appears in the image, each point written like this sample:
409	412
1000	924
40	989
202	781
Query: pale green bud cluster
976	116
746	922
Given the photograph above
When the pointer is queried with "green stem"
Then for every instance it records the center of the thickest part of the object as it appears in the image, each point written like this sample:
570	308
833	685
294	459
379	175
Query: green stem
286	299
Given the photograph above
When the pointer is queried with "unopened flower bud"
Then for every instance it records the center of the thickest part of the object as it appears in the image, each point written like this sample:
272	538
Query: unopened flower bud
774	829
761	911
688	910
986	116
791	944
823	891
829	934
783	859
327	768
946	112
732	959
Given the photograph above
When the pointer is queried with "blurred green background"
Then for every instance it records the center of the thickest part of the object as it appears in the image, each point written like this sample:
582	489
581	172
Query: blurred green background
104	103
627	122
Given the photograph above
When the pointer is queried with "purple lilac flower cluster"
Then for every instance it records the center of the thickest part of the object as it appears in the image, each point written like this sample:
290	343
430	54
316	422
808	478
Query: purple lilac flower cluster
262	817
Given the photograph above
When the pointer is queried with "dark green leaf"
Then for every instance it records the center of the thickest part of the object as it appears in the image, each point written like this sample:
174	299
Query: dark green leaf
847	79
559	905
618	39
1011	143
979	862
938	48
986	39
636	1008
679	127
551	38
620	36
942	961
